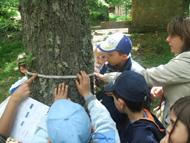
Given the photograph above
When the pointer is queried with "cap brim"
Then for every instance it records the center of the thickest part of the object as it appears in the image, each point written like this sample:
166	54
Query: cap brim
105	46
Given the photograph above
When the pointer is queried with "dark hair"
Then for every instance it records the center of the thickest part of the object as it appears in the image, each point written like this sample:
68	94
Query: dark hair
180	26
133	106
181	110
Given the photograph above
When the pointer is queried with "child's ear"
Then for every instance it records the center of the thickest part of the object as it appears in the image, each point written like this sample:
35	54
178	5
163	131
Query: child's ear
121	103
125	56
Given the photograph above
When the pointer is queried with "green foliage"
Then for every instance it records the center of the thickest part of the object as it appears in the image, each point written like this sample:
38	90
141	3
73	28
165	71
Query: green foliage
10	44
113	17
98	11
8	8
119	2
9	16
126	3
9	25
10	47
151	49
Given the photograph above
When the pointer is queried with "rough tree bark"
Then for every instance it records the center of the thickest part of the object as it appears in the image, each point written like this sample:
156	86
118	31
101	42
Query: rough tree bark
57	34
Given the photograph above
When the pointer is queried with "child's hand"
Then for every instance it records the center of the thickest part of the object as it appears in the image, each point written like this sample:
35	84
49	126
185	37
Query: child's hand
100	76
157	91
108	77
23	91
83	83
61	92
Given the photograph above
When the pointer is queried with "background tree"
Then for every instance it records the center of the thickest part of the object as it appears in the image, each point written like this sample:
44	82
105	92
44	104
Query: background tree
57	34
153	15
9	16
98	11
186	7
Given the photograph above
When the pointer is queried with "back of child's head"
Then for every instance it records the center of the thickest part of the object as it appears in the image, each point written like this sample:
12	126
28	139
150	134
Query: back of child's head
116	42
181	109
180	26
68	122
132	88
21	59
21	63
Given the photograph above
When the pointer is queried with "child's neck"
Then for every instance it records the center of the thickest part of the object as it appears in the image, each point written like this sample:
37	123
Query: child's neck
134	116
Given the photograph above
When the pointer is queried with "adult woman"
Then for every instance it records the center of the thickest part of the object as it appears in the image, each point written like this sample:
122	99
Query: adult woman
174	76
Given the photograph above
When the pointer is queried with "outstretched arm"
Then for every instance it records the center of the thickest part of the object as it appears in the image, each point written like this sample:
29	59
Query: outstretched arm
8	117
104	126
108	77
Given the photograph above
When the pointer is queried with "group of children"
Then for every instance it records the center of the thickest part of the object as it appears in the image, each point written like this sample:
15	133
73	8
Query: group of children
119	111
170	81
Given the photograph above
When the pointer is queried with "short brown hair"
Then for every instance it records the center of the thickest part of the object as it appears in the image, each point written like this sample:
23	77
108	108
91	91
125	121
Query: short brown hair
180	26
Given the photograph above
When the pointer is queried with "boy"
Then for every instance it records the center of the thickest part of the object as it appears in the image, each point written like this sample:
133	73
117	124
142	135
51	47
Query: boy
130	92
118	48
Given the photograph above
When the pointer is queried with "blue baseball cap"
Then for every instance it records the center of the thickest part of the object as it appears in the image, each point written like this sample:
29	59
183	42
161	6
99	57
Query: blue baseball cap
130	86
68	122
116	42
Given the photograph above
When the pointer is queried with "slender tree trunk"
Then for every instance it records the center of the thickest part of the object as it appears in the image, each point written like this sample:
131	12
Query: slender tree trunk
57	34
186	5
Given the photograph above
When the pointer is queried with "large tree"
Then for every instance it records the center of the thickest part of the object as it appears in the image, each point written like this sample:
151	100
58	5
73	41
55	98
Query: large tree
57	33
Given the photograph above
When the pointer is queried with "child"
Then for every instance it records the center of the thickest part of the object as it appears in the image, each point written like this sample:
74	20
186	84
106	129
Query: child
104	127
178	130
68	122
21	62
130	92
100	59
118	48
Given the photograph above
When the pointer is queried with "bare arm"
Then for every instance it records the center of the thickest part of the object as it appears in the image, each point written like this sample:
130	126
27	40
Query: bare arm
8	117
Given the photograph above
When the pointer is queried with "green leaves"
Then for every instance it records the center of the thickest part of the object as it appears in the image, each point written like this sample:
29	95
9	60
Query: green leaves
9	15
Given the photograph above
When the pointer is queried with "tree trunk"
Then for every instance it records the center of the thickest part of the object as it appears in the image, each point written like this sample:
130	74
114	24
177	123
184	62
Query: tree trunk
150	15
186	5
57	34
